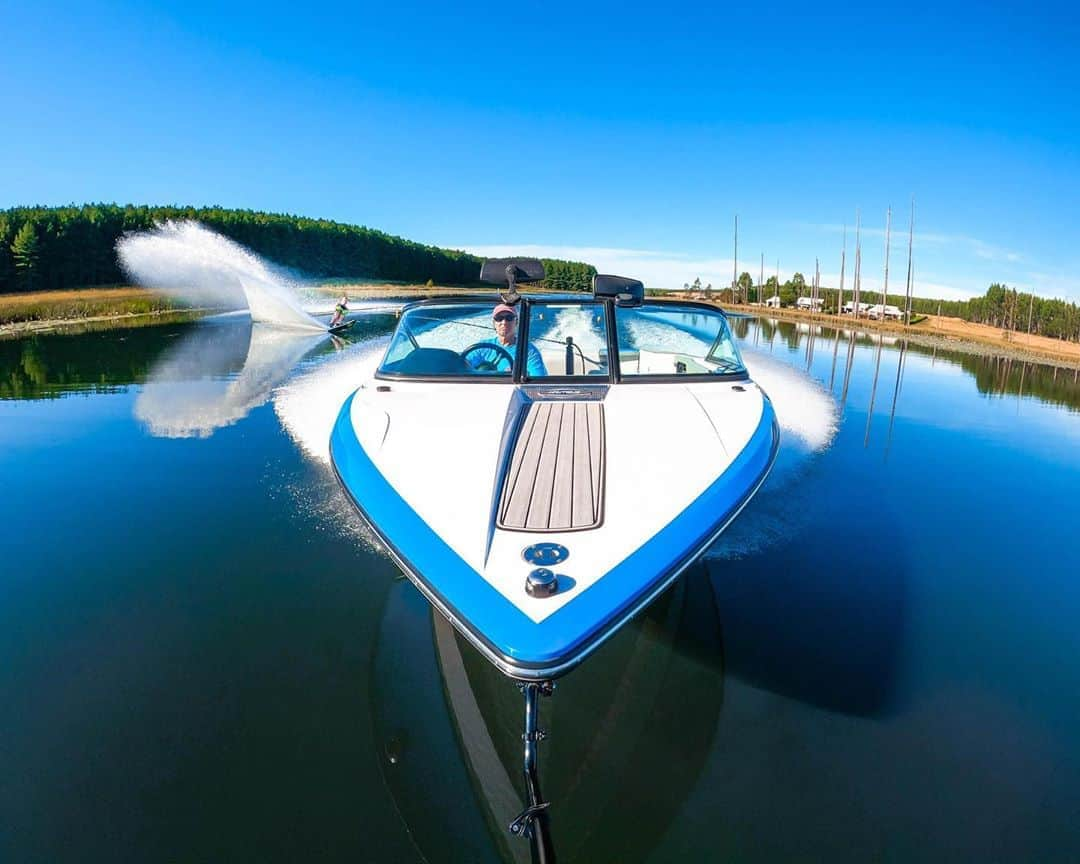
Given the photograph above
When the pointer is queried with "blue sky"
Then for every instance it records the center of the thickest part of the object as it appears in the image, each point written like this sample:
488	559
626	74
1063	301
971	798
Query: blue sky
627	137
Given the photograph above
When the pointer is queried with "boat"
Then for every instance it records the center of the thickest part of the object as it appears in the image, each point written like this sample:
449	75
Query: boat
541	497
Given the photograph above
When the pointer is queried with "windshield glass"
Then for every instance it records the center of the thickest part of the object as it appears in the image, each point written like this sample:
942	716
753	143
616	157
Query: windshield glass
568	339
481	339
454	340
663	339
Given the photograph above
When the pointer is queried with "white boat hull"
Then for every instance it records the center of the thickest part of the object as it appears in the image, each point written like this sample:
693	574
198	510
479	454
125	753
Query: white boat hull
426	463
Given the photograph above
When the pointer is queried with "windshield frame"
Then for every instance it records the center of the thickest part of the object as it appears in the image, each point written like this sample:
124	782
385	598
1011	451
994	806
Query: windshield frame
517	374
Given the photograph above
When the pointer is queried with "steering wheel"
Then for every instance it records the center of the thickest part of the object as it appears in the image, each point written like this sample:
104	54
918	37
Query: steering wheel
488	365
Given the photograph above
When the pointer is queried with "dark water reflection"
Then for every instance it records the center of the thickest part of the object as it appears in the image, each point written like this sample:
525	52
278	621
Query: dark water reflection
200	660
994	374
53	365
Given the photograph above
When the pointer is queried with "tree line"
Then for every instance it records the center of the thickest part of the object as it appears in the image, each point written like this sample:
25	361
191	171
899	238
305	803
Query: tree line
1001	306
53	248
567	275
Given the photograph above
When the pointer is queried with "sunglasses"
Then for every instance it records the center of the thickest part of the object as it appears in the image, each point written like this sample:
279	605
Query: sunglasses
505	316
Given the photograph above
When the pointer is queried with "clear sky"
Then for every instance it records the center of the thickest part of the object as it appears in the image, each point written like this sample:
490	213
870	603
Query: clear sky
625	136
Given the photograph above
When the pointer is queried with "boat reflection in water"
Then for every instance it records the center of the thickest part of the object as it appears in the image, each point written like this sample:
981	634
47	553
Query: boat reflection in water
453	765
637	727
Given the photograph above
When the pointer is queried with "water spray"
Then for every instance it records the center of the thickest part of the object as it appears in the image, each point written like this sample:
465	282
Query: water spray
189	260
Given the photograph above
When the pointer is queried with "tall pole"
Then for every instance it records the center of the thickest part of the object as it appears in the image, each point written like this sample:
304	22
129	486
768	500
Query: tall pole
885	290
910	277
858	260
817	286
843	261
735	266
761	278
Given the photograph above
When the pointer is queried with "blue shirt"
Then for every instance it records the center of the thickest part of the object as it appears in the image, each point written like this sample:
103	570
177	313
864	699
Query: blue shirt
534	363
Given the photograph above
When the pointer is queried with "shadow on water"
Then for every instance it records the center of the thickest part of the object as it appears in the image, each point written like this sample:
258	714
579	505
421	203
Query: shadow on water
821	626
624	751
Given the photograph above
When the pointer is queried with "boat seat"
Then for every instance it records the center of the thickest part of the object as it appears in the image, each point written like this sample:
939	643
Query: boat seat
555	477
430	361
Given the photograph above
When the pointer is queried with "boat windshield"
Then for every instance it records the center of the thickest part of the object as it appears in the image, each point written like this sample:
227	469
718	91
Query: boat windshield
659	339
656	341
452	340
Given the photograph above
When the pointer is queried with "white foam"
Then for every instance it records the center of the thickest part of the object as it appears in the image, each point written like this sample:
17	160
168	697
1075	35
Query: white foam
308	405
651	334
808	418
581	324
189	259
804	409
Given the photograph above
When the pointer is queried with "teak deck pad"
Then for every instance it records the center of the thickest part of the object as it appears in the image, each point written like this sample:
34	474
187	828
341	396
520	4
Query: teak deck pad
555	480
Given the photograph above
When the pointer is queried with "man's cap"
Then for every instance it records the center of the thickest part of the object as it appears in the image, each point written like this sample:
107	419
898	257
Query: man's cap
502	307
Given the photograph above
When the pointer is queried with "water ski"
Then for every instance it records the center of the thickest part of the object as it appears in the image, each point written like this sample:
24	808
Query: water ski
340	328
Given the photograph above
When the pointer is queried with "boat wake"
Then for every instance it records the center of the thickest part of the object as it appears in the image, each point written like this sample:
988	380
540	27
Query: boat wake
189	260
808	418
307	407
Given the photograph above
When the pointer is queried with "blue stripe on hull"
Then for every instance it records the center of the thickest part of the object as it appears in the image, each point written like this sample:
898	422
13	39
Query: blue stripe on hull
509	638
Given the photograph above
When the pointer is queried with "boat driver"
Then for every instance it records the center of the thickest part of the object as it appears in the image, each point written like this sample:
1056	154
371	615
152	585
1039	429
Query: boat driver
504	319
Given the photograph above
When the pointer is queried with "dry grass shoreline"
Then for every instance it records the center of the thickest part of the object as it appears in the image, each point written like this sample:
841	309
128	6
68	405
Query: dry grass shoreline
45	311
941	329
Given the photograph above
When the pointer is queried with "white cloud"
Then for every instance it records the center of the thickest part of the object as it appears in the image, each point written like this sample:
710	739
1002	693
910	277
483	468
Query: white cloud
978	248
657	269
671	270
1051	285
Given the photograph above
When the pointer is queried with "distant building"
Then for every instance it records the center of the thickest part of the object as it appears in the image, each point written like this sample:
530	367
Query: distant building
814	303
849	308
773	302
879	312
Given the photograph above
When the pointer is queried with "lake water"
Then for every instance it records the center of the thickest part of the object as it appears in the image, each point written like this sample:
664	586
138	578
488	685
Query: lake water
204	657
